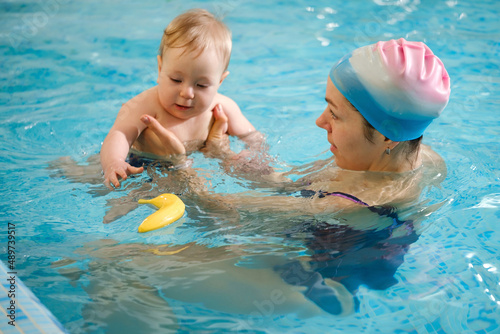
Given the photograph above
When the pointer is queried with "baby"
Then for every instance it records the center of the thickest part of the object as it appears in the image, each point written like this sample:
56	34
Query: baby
192	63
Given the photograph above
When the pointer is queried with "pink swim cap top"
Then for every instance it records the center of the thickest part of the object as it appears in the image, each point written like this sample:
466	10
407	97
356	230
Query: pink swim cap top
398	86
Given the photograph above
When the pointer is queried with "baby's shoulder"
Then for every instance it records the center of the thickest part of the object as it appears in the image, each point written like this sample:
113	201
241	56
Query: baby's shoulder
228	104
146	102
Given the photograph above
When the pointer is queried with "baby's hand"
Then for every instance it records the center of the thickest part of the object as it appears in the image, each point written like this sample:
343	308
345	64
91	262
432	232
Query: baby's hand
119	169
171	142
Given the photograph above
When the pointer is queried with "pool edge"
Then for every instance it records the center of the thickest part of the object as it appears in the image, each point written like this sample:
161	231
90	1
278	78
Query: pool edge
22	311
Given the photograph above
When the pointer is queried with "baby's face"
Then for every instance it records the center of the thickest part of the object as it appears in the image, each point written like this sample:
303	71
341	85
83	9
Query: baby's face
188	81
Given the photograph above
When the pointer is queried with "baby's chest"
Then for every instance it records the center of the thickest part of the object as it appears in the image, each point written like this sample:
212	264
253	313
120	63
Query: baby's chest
190	131
194	128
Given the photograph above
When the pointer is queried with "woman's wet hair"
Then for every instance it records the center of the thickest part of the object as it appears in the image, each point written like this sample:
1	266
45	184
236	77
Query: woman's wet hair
408	148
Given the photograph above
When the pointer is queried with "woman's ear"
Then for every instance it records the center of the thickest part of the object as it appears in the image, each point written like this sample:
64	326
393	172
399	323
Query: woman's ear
391	144
160	60
223	76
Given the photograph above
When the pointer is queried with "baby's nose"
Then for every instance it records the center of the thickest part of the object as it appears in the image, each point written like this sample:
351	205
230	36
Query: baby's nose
187	92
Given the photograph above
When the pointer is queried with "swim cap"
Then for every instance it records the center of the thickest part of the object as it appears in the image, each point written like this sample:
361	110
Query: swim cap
398	86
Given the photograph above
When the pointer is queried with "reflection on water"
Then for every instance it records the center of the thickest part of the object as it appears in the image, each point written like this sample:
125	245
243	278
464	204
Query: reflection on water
305	268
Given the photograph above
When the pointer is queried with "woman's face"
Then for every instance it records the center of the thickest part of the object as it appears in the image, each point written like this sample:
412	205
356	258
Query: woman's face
345	132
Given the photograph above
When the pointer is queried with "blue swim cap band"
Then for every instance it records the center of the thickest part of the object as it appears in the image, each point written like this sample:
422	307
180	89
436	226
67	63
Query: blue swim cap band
346	80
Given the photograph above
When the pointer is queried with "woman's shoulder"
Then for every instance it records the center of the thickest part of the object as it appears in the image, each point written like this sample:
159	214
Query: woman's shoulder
382	188
399	188
433	164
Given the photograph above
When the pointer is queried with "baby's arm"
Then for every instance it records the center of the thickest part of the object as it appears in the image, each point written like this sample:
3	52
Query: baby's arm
238	124
253	164
116	145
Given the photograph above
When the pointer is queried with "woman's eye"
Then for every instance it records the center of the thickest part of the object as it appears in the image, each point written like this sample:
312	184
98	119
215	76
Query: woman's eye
333	114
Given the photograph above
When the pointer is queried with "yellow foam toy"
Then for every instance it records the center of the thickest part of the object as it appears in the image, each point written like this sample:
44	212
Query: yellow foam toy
170	208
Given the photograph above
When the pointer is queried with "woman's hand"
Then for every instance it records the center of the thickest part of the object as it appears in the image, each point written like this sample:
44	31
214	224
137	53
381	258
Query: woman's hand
168	139
217	144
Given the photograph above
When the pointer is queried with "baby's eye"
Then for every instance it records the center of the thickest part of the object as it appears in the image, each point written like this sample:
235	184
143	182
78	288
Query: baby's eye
202	85
175	80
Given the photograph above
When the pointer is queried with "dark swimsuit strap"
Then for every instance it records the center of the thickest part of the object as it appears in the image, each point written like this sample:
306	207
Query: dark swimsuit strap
387	211
343	195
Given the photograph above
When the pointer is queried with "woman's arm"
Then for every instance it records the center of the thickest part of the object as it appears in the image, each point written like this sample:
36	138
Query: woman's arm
259	202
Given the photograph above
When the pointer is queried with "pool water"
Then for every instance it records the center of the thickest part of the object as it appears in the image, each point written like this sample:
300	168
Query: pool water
68	66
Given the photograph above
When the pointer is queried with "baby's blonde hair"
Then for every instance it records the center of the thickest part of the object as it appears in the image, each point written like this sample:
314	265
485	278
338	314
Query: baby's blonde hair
197	30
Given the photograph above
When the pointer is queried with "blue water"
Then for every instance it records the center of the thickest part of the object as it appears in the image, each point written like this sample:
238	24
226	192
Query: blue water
66	68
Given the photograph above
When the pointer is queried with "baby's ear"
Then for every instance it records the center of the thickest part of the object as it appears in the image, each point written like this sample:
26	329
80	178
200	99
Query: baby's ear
223	76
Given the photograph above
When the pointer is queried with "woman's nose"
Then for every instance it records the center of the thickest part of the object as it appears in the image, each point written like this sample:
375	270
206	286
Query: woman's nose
187	92
320	121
